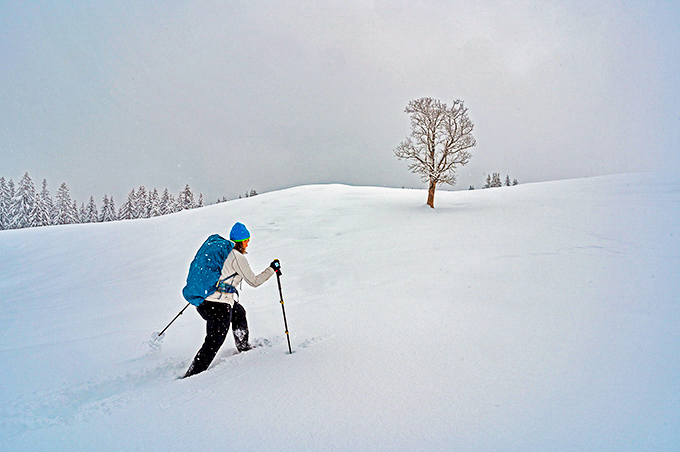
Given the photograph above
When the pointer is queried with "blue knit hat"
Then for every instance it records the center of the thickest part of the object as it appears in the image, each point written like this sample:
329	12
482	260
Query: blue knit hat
239	233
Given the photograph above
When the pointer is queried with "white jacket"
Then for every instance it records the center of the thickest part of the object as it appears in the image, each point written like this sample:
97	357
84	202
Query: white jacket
237	263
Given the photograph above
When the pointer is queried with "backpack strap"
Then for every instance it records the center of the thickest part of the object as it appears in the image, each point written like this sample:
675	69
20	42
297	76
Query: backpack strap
224	287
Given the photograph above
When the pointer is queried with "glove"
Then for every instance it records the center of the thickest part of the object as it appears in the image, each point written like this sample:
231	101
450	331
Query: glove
276	265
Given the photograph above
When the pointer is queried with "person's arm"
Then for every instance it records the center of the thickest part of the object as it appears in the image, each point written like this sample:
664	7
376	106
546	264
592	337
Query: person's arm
243	269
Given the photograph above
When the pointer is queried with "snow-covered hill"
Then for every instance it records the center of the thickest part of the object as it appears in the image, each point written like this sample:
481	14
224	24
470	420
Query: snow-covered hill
537	317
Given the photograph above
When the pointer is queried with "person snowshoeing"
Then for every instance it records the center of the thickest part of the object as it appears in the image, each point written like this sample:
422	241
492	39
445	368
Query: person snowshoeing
222	308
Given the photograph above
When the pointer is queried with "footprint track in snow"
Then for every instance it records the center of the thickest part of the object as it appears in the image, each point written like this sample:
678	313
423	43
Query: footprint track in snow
42	409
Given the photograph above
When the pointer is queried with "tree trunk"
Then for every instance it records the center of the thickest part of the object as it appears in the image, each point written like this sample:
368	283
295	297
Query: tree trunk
430	193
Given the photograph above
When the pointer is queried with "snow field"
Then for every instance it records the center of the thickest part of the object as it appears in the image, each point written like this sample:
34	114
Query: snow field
536	317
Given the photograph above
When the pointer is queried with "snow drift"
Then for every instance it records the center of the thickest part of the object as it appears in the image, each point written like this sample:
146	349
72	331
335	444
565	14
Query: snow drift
536	317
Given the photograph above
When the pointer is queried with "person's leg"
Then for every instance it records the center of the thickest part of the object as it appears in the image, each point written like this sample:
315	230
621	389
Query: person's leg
239	325
217	317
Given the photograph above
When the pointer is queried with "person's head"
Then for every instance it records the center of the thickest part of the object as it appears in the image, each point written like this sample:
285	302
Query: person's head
240	236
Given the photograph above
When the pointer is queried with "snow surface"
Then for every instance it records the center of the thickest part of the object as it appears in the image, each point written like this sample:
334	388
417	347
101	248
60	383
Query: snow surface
530	318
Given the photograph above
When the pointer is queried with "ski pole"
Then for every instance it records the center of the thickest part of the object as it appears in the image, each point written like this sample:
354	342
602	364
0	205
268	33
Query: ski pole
285	322
180	313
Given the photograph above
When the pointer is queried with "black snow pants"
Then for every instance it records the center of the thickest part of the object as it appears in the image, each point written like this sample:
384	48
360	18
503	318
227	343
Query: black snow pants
218	316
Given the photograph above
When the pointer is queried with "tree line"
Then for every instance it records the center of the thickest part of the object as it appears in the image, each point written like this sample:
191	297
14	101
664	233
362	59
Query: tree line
22	206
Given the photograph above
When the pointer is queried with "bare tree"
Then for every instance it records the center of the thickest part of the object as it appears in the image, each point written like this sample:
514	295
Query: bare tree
439	141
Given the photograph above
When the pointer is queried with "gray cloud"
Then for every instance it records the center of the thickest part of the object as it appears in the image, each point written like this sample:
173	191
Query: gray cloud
230	96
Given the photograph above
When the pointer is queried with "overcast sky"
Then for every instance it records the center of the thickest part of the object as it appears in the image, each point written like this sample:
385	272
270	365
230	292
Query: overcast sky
230	96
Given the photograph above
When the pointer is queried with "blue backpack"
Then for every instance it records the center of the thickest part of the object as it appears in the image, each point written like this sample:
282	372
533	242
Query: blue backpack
206	268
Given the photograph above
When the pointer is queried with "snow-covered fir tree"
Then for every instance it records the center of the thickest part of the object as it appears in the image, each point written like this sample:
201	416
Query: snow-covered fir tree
142	203
200	200
134	204
45	206
4	204
64	210
24	208
493	180
91	214
167	203
507	181
128	209
112	208
76	213
10	196
105	205
108	212
186	199
81	213
154	204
